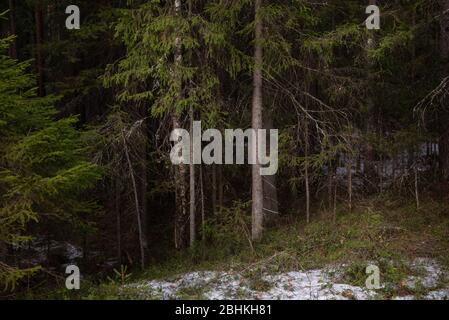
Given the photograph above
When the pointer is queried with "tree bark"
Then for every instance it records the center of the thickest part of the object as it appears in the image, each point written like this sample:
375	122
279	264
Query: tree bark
369	168
349	173
220	189
203	214
257	104
181	198
271	205
415	169
192	184
214	189
306	173
334	209
180	170
144	177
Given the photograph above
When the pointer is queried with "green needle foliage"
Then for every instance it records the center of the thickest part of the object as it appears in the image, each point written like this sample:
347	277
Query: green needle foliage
43	171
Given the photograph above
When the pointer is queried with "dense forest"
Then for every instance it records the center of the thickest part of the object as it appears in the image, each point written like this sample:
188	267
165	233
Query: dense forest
87	122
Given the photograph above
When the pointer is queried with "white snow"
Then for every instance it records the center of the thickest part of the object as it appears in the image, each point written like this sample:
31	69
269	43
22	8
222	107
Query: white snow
429	272
316	284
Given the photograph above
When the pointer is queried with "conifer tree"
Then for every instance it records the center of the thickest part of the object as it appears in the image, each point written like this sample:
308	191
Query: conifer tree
43	168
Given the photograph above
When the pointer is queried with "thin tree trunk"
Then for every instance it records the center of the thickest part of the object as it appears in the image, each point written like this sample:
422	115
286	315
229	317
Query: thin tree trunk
39	43
415	169
220	189
306	173
180	170
181	198
118	217
136	201
203	214
443	150
349	172
335	199
144	177
370	170
380	174
257	104
330	178
214	189
192	184
269	182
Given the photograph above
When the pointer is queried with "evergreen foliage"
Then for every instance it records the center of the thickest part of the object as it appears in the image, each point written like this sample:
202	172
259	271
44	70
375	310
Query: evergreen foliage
43	168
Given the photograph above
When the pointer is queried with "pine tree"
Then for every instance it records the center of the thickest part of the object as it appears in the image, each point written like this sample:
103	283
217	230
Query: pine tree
43	170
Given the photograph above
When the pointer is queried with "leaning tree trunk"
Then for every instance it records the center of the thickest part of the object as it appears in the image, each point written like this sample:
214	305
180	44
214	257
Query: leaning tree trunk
136	202
257	183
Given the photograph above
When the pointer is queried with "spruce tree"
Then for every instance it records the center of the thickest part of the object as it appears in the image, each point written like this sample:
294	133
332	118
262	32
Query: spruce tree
43	169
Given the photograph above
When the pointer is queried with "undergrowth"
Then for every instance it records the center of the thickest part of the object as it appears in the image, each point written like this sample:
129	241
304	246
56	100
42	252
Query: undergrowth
382	231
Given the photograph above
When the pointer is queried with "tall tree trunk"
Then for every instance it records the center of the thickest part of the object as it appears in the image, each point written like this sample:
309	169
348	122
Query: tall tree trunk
12	29
257	104
144	176
370	170
180	170
181	198
39	43
271	205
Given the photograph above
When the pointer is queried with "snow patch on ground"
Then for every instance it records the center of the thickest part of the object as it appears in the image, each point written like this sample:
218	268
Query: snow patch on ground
429	274
295	285
319	284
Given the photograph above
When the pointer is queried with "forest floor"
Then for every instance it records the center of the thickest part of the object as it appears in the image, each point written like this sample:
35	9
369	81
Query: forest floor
325	259
428	281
